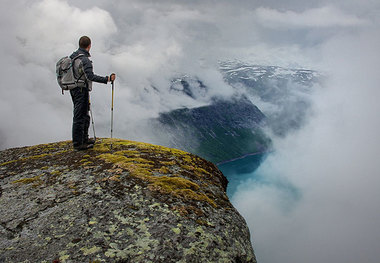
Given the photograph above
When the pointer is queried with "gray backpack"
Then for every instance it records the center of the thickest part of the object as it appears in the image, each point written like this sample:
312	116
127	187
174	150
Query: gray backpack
65	73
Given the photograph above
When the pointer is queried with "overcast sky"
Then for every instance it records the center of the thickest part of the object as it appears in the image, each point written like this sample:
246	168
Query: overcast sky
333	162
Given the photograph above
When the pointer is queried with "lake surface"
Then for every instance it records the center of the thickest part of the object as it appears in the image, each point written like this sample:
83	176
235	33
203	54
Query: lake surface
240	170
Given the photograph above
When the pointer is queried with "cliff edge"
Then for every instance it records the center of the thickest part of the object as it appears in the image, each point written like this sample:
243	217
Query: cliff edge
135	203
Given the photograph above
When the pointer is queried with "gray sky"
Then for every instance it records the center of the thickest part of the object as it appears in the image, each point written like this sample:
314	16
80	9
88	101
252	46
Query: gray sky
332	161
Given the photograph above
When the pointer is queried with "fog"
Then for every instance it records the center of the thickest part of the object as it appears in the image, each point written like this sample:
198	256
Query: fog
317	200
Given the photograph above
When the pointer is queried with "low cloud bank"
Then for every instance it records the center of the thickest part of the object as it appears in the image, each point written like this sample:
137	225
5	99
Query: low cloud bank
317	197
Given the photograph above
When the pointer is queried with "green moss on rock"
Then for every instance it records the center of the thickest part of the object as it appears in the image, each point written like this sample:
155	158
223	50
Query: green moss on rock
28	180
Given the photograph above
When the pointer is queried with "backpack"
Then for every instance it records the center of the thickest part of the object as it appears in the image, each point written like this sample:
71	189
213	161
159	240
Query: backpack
65	73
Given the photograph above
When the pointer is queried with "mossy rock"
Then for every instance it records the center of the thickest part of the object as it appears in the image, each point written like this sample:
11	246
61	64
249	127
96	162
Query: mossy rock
135	203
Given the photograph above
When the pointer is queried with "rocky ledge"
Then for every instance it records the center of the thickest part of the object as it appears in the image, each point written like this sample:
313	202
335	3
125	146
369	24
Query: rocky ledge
135	203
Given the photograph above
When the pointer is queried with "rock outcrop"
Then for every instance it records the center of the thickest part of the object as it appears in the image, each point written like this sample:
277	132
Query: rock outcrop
135	203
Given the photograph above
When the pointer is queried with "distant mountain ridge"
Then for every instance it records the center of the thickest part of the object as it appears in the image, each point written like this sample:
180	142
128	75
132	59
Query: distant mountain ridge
282	94
237	70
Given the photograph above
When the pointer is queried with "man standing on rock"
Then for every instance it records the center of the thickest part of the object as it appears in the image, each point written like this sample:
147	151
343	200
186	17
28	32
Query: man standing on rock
80	95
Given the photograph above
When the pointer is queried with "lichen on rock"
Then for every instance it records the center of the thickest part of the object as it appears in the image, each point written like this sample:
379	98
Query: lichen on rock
135	203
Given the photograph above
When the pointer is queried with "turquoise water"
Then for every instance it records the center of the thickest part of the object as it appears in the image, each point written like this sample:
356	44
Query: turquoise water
240	170
243	172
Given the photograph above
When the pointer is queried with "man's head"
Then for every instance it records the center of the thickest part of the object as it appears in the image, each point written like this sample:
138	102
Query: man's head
85	42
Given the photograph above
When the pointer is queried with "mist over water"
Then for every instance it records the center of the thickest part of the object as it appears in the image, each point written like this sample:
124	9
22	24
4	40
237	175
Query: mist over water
315	198
240	170
332	163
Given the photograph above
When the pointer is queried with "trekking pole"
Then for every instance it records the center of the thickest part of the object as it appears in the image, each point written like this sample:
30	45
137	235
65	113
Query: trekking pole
112	112
92	118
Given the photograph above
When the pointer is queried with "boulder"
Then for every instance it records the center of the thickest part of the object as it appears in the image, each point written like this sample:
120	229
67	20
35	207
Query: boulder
136	202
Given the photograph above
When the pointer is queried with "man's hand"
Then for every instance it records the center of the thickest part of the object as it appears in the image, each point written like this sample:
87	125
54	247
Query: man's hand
112	77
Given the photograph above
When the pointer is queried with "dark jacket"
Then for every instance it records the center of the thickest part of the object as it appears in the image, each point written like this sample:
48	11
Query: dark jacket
87	67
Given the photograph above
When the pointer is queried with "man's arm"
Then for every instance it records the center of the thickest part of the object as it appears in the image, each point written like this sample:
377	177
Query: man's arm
89	72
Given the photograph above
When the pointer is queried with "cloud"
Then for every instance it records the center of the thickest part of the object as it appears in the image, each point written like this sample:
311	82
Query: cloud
330	213
144	43
34	36
325	16
49	26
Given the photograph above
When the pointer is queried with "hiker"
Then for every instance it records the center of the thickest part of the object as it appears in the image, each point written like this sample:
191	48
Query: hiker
80	95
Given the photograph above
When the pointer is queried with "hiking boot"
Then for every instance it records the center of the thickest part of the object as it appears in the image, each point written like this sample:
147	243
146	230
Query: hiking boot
90	141
83	147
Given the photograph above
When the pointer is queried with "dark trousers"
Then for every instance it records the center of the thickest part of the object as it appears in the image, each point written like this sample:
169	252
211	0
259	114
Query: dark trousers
81	116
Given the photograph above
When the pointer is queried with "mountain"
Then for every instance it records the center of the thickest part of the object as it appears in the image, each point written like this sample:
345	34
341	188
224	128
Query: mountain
135	203
217	132
265	97
282	94
252	75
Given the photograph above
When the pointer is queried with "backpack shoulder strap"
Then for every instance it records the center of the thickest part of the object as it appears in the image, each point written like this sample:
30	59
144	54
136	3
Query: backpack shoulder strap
80	55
